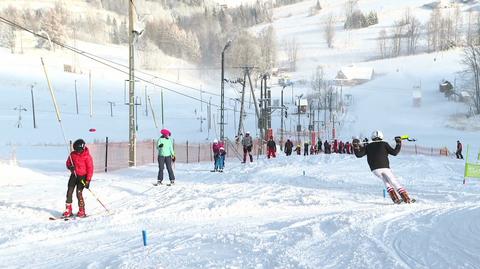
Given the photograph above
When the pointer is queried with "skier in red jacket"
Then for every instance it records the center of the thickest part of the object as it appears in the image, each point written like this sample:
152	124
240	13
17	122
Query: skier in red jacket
80	163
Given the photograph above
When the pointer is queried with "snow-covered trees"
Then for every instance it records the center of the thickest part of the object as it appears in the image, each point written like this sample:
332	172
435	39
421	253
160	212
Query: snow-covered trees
471	60
291	48
329	30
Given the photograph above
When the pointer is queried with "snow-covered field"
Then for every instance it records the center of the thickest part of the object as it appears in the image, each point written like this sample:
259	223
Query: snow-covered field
324	211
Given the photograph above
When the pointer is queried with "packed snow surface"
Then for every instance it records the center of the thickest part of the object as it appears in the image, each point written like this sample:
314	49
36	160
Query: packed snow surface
323	211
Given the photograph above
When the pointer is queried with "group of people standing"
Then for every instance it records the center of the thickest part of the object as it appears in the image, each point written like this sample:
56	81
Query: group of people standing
312	149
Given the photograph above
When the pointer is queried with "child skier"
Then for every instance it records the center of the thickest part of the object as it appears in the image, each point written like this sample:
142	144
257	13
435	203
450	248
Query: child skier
166	156
220	160
377	157
215	148
271	148
80	163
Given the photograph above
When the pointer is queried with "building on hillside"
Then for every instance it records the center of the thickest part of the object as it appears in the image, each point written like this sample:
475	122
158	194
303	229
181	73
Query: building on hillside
354	75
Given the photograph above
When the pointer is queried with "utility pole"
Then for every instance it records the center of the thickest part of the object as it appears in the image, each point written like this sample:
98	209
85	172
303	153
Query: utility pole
112	104
146	105
299	127
132	155
281	118
222	97
163	118
76	96
90	91
242	101
254	101
33	106
138	102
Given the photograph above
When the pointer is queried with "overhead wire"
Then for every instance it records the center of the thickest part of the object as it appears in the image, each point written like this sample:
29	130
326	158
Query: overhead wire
106	62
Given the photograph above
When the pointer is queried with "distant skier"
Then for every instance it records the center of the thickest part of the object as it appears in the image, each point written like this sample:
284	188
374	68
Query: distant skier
377	157
305	148
271	148
215	148
288	147
166	156
459	150
348	148
341	147
220	159
80	163
335	146
319	145
327	147
247	143
298	149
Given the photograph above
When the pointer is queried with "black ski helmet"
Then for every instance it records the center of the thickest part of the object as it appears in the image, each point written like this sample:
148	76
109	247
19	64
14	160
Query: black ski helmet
79	145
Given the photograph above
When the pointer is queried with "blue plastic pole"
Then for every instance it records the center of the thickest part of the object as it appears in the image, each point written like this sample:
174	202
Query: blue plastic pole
384	193
144	235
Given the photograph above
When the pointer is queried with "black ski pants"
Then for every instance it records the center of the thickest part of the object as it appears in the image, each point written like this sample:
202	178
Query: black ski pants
75	181
162	162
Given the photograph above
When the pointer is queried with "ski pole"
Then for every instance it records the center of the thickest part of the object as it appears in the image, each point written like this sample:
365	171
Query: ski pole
98	200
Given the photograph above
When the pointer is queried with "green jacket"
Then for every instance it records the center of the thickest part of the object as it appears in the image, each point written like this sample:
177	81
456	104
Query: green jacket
167	148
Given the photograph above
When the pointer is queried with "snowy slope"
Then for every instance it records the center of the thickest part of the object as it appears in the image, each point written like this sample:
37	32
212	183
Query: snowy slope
262	215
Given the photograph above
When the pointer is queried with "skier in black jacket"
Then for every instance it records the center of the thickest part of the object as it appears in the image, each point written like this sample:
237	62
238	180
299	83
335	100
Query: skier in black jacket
377	153
288	147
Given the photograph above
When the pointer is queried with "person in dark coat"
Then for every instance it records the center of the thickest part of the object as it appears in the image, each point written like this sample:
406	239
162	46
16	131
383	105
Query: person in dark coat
288	147
377	157
319	145
271	148
305	148
326	147
459	150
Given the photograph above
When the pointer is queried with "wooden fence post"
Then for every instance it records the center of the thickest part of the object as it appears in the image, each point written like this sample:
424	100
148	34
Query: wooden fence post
198	152
416	149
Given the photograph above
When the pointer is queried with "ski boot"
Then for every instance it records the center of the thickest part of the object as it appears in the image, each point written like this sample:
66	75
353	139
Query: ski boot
81	212
394	196
404	195
68	211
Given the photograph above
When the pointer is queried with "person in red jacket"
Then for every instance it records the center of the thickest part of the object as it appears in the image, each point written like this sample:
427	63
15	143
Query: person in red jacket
80	163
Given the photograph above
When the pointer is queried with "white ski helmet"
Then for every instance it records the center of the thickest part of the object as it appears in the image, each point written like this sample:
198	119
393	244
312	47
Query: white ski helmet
215	141
377	135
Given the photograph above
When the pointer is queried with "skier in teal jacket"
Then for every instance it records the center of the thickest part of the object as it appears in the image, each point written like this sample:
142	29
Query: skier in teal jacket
166	156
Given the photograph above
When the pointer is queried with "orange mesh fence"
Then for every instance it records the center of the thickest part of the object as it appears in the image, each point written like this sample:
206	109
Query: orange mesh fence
420	150
114	155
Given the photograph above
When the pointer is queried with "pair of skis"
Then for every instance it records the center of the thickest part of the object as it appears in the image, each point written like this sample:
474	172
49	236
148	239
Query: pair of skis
66	218
158	184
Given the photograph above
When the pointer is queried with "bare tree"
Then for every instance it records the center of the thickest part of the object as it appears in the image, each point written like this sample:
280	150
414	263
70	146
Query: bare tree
458	24
329	30
471	60
433	30
382	43
291	48
412	34
397	35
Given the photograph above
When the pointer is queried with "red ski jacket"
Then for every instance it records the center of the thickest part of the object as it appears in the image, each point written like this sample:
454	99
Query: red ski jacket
83	163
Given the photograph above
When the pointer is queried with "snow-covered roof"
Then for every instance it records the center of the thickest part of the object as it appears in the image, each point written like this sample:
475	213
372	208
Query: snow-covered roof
355	72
